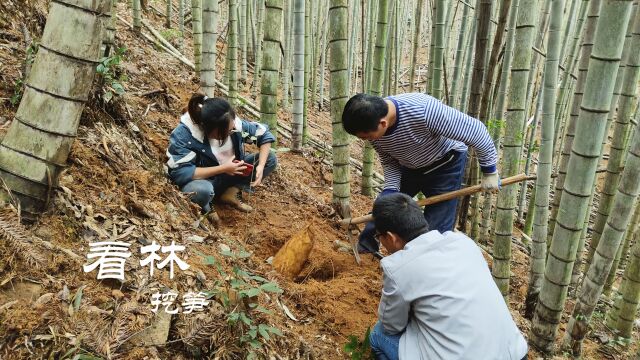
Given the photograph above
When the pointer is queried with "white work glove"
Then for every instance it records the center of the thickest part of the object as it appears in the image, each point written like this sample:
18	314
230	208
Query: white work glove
490	182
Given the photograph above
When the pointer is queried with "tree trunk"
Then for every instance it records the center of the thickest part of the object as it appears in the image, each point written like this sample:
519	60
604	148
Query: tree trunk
35	149
582	166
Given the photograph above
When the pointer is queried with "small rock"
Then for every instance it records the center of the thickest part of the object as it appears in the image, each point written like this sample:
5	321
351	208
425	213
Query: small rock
44	232
200	276
43	299
157	333
64	293
117	294
196	238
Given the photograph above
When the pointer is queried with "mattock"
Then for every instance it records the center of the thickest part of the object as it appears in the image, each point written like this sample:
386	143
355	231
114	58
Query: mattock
350	223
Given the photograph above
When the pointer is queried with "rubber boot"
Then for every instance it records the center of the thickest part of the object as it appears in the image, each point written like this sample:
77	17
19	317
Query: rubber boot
230	196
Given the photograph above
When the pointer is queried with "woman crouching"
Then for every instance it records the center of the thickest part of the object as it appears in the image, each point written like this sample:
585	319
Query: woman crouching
207	157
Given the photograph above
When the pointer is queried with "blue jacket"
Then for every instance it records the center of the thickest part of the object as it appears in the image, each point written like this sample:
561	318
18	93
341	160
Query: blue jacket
189	147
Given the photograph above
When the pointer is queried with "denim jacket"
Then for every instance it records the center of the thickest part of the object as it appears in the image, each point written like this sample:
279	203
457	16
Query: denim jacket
189	147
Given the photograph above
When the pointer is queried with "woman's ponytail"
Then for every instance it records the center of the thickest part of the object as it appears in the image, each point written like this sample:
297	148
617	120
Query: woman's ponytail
214	117
195	107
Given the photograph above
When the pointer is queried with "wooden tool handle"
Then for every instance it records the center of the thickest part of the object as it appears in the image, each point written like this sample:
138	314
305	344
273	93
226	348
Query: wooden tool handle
444	197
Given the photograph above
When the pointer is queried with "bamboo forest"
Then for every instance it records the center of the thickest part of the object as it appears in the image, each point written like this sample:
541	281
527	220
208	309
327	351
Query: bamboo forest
319	179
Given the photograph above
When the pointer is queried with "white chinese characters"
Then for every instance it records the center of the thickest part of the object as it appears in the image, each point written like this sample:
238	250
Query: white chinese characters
190	302
111	257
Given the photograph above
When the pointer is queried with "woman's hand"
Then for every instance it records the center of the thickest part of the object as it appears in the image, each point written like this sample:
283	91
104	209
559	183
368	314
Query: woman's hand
234	168
258	178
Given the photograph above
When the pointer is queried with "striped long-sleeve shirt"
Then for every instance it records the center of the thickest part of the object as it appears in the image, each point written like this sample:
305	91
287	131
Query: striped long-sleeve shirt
425	130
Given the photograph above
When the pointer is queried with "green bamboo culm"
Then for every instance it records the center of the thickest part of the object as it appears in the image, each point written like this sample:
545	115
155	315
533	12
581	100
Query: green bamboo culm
196	28
180	23
169	11
624	199
324	46
623	250
587	45
137	20
615	161
210	14
483	18
307	70
568	26
629	295
38	141
257	72
496	123
288	54
516	115
232	53
468	67
372	14
485	107
417	21
298	74
382	31
110	25
457	67
390	50
339	93
242	38
545	166
626	82
569	65
581	171
438	49
271	65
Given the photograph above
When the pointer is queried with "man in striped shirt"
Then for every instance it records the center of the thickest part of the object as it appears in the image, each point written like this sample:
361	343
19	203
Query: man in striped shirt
422	144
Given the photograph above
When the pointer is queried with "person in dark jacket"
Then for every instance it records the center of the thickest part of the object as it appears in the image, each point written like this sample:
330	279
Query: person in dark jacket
207	157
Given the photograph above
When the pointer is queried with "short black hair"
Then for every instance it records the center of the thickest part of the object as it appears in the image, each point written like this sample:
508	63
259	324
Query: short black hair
363	113
400	214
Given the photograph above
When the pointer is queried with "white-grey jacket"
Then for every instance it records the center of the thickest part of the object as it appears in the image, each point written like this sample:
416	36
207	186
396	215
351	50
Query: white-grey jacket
439	291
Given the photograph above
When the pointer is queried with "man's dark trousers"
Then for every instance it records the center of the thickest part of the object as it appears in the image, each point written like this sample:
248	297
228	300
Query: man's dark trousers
444	176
